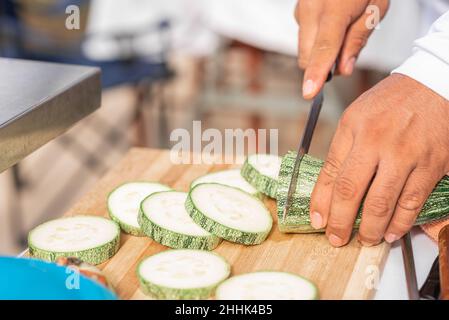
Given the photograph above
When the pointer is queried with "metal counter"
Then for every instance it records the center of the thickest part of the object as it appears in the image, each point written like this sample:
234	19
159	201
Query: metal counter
39	101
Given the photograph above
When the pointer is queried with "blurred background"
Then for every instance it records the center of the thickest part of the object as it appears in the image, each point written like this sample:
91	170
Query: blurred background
165	63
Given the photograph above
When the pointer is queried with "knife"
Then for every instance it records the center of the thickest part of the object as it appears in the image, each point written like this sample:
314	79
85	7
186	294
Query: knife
304	144
409	267
431	287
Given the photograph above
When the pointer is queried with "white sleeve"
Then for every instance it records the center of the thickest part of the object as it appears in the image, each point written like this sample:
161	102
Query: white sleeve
429	63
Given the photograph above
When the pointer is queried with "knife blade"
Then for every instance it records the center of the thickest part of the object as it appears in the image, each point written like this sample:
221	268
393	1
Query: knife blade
304	144
303	148
409	267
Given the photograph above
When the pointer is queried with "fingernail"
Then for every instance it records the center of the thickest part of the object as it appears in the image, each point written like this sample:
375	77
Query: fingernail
308	88
365	244
317	220
335	240
349	67
390	238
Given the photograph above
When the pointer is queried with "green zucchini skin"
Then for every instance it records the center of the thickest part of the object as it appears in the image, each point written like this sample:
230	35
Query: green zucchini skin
265	185
227	233
298	218
169	293
175	240
126	228
165	293
93	256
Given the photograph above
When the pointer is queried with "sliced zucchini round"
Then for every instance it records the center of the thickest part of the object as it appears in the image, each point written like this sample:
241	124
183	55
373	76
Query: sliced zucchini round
267	285
163	217
124	203
261	171
231	177
297	220
182	274
89	238
229	213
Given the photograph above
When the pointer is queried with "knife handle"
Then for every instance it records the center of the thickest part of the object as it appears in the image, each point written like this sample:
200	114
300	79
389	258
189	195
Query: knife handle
431	287
443	244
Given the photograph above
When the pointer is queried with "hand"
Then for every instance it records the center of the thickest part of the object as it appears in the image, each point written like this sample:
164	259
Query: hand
331	29
391	144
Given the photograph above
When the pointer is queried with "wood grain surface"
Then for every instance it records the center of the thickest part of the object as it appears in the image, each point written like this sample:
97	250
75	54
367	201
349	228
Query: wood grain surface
351	272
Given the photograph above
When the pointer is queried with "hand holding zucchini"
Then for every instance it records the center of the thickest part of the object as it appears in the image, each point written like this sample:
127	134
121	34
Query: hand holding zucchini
298	219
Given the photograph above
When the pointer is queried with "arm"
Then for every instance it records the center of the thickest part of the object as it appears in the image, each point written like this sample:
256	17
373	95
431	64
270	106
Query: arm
392	145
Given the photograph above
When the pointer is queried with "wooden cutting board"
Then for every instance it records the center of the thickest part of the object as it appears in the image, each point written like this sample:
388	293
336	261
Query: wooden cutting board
350	272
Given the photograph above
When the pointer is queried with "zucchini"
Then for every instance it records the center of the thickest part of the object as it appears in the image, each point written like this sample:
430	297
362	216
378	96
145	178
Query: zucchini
298	219
267	285
89	238
163	218
124	202
261	171
182	274
229	177
229	213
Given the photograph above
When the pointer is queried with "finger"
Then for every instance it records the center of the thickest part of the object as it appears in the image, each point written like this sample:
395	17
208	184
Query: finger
324	53
417	189
349	188
322	192
356	39
307	16
357	36
381	200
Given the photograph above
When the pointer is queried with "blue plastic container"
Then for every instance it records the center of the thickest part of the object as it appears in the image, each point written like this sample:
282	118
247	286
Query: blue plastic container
31	279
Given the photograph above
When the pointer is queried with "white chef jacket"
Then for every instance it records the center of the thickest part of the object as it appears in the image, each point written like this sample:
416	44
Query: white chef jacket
429	63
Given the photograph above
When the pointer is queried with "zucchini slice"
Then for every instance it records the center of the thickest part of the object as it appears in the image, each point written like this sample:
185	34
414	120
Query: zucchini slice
163	218
229	213
231	177
89	238
182	274
261	171
267	285
298	218
124	202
